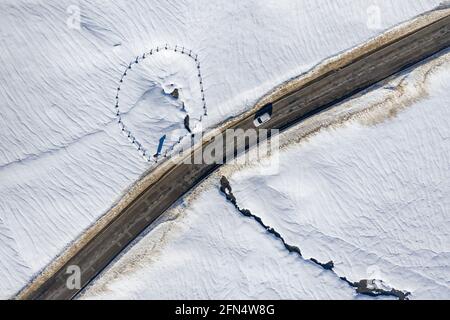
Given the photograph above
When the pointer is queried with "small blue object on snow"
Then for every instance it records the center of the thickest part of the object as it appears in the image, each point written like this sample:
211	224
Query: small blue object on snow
161	143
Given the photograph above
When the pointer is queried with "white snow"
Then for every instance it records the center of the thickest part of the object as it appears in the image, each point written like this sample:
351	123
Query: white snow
63	159
204	249
146	107
370	194
374	199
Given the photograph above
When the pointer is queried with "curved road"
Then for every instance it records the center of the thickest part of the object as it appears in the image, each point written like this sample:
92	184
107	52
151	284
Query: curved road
311	98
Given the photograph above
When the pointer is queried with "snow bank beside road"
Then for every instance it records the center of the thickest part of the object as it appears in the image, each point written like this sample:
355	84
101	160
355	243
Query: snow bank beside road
63	159
204	250
368	194
370	198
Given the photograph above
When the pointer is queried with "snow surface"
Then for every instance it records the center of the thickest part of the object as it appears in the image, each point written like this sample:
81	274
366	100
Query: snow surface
371	194
209	251
63	159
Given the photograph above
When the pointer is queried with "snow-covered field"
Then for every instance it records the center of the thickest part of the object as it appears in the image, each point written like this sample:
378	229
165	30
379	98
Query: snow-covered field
204	249
370	193
63	158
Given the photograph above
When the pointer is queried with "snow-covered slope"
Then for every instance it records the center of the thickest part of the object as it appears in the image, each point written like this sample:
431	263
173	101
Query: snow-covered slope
370	194
63	158
205	250
375	200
